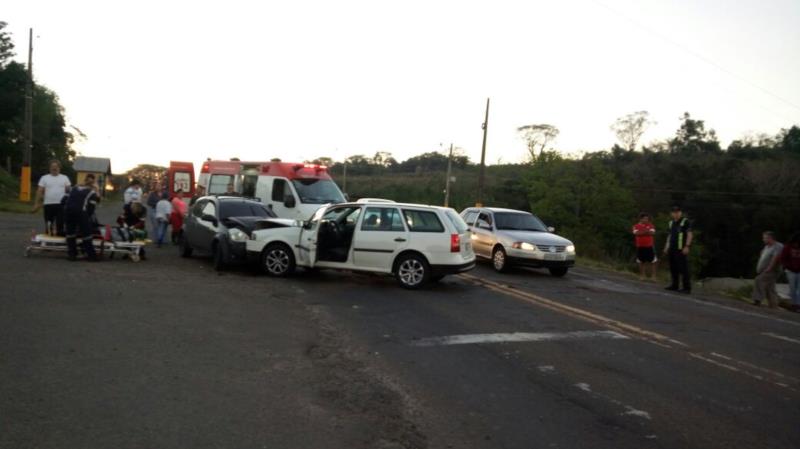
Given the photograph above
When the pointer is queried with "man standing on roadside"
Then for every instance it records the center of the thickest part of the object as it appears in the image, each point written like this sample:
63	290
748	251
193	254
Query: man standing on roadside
644	233
133	193
768	269
152	200
677	249
78	210
52	188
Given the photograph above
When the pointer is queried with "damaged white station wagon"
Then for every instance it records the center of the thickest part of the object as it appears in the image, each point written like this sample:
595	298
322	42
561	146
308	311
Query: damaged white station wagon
415	243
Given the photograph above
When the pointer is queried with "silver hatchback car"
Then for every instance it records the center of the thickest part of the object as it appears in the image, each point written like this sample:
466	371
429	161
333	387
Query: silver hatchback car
510	237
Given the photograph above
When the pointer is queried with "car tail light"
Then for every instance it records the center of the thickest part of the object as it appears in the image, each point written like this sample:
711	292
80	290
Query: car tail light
455	243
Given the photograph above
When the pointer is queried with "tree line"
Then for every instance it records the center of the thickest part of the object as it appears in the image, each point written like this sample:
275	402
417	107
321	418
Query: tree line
51	139
731	194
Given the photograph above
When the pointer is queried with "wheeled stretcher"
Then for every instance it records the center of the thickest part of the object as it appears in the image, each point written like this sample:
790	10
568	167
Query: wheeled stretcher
103	244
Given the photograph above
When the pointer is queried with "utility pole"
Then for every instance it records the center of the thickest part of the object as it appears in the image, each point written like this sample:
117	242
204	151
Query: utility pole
447	184
344	177
482	175
27	139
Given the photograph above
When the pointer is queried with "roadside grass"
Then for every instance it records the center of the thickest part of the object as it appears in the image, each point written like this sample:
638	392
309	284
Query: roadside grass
15	206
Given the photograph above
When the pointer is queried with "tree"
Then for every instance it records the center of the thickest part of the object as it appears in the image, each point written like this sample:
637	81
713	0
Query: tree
790	140
145	173
537	136
692	137
323	160
629	129
6	45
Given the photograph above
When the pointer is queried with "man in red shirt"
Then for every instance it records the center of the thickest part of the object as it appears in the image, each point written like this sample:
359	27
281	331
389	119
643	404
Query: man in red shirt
644	232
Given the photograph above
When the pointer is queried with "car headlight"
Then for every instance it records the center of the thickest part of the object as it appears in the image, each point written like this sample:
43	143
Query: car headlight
525	246
237	235
570	248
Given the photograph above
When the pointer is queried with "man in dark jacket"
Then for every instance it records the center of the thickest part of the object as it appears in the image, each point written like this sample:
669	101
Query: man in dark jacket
78	211
677	249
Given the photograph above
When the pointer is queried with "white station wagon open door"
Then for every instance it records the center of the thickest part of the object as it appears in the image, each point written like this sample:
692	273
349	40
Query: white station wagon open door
307	246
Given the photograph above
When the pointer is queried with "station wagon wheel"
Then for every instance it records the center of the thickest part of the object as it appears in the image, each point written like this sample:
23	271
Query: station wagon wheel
278	260
412	271
499	259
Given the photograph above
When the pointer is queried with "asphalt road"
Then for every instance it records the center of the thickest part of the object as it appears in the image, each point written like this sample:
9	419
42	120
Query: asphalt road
167	353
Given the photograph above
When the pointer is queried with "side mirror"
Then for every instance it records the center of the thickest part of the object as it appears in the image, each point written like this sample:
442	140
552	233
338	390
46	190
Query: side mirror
209	218
551	229
289	201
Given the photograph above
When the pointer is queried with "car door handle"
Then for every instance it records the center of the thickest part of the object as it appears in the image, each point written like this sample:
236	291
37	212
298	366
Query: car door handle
399	239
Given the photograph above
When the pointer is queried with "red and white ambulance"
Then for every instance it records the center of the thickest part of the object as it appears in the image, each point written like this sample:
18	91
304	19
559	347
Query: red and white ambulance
296	190
180	177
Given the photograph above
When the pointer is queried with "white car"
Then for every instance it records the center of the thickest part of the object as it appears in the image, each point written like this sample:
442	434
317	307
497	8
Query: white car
415	243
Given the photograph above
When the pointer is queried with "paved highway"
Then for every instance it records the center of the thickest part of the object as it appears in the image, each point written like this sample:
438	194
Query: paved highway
167	353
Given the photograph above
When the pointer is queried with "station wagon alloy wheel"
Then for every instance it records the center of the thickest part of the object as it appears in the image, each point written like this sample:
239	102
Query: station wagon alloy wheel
411	272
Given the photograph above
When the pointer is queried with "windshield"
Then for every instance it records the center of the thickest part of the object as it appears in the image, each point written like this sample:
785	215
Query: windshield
229	209
518	222
318	191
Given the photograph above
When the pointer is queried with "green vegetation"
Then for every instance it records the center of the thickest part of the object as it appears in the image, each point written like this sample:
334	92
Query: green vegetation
731	195
50	137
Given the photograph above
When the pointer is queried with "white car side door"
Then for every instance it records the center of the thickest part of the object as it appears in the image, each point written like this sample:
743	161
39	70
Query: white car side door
307	246
379	237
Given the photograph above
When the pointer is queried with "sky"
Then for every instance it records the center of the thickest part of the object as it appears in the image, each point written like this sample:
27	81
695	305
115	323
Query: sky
154	81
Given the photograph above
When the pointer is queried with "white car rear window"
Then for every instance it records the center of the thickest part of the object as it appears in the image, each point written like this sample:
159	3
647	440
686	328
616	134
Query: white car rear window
422	221
458	222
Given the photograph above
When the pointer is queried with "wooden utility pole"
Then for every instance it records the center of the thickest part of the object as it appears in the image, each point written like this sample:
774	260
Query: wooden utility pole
344	177
482	175
447	183
27	138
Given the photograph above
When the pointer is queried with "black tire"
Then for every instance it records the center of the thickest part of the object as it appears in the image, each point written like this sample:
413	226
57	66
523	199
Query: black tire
500	260
412	271
559	272
277	260
183	247
218	257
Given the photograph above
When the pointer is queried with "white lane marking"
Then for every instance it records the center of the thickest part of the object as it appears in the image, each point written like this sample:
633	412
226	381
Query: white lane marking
631	411
781	337
634	412
516	337
546	368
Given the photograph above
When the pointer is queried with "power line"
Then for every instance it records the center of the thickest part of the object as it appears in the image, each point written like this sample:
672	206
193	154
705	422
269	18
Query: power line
702	58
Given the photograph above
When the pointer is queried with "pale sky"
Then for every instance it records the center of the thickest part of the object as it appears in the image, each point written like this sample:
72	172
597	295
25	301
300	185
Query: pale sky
153	81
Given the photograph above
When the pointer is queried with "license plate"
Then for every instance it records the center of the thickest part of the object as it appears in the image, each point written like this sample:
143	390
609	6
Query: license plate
467	247
553	257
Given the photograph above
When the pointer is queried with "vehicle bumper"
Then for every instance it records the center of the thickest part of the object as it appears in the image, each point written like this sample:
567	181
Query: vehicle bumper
441	270
541	263
236	252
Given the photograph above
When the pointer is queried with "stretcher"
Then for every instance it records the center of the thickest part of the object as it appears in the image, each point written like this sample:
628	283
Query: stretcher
103	244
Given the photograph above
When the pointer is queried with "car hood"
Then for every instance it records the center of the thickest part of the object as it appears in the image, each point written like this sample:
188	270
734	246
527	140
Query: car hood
248	224
537	238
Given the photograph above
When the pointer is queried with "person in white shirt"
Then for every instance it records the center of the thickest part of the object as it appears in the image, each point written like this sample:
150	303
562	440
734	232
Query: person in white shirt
133	193
163	212
52	189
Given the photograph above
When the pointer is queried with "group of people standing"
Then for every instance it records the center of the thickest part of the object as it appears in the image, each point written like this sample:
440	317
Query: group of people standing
161	210
774	259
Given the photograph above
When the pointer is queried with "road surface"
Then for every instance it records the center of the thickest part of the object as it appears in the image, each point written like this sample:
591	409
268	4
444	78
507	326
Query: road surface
167	353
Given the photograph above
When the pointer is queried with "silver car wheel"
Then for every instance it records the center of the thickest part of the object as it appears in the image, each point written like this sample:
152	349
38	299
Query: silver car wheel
499	260
277	261
411	272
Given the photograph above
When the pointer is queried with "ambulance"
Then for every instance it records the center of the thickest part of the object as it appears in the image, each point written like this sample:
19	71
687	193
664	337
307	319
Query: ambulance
215	176
296	191
180	178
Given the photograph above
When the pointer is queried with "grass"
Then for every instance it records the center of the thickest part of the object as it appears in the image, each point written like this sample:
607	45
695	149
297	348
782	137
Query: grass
15	206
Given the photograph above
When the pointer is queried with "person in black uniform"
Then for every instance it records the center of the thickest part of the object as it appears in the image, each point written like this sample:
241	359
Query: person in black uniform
677	249
78	211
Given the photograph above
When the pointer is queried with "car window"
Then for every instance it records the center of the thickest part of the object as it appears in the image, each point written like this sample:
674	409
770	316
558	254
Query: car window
422	221
218	184
456	220
317	191
279	190
343	215
243	209
382	219
197	209
485	217
209	209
